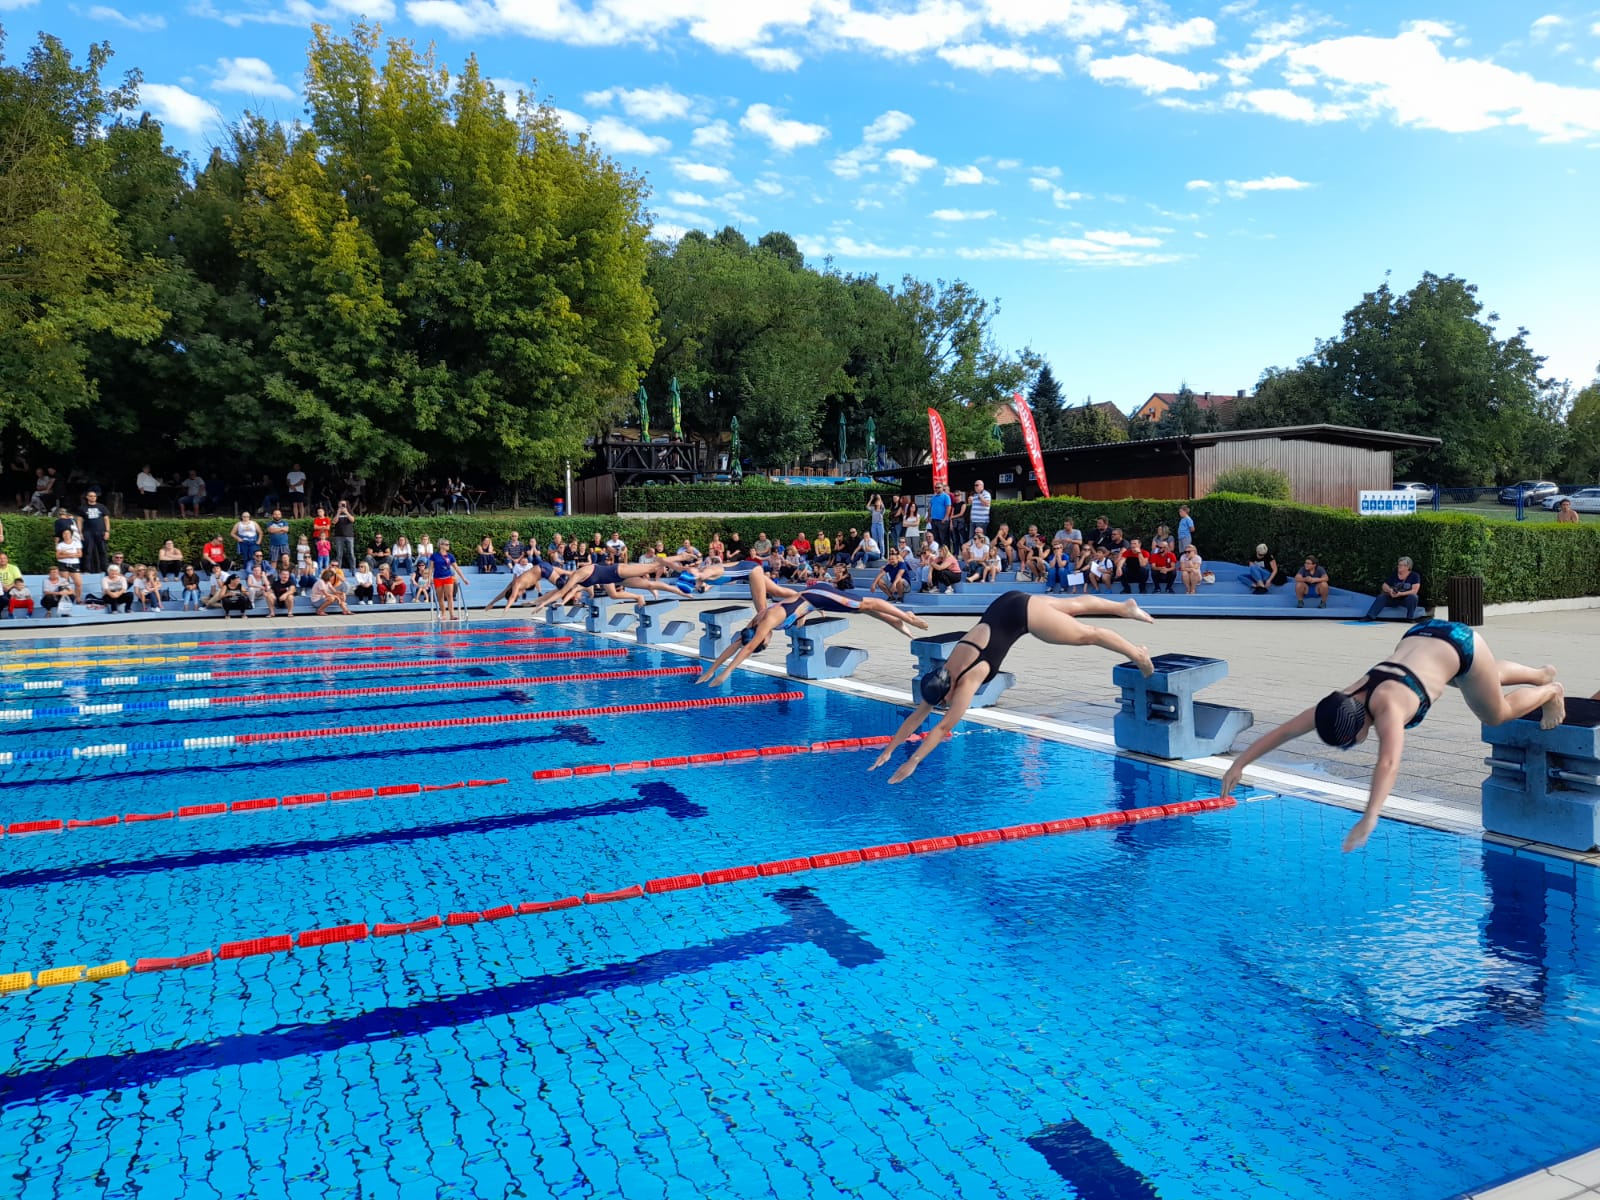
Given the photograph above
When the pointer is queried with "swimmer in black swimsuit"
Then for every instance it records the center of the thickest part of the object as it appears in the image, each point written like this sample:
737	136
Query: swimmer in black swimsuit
1429	658
610	578
778	607
977	658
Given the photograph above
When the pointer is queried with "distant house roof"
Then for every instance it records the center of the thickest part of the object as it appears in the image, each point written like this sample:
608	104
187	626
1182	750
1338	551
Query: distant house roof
1159	402
1004	414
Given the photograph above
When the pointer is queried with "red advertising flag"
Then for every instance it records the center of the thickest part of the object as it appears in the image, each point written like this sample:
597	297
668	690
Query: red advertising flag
940	449
1030	439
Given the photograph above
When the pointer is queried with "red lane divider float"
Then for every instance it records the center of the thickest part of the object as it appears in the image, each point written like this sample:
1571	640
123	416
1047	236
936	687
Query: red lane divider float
278	943
564	714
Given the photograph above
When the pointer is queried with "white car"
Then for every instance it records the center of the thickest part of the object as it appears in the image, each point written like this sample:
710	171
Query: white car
1584	500
1424	491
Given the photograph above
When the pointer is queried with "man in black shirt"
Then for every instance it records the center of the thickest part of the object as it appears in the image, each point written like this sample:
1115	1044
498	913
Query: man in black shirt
1101	536
96	532
344	536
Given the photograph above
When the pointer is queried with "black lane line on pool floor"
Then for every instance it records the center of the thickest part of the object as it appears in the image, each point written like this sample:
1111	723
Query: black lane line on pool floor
650	795
1090	1165
809	922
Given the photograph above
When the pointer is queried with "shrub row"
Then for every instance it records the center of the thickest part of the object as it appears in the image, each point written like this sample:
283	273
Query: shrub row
1518	560
756	494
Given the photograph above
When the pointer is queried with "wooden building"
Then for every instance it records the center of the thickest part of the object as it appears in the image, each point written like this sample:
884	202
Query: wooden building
1326	464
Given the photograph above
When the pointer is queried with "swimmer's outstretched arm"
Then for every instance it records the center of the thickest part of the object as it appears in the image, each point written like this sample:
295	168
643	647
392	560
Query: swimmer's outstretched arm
766	625
959	701
1296	726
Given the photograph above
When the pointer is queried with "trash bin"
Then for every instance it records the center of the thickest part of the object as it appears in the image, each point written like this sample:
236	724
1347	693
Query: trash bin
561	507
1464	595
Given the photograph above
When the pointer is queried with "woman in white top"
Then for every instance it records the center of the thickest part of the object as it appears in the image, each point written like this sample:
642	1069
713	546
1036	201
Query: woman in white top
247	536
1190	567
425	547
148	485
69	557
366	583
912	520
57	593
401	555
257	584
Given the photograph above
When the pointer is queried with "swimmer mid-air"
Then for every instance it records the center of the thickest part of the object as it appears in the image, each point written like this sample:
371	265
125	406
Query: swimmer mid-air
976	658
610	578
1428	658
779	607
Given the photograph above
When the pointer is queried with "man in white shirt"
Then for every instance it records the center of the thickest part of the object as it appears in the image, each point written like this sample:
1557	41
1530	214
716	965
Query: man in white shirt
866	552
148	485
978	516
296	479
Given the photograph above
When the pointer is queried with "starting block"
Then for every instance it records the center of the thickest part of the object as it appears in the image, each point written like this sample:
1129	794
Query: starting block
565	614
1161	717
654	629
609	614
717	625
810	657
1544	785
931	654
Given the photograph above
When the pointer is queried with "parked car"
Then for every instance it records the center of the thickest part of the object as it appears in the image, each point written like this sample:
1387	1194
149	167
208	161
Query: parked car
1584	500
1424	491
1534	491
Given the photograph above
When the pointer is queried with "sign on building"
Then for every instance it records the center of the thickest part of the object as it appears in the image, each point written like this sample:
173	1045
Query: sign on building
1386	504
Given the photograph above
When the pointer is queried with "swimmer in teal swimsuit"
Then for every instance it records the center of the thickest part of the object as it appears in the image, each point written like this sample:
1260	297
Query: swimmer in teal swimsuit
1429	658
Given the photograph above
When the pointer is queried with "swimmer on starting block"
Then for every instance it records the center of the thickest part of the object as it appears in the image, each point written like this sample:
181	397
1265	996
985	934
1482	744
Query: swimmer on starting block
779	607
976	658
1429	657
610	578
525	581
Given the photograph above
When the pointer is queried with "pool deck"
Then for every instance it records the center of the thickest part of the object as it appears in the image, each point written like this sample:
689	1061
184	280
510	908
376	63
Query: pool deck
1275	669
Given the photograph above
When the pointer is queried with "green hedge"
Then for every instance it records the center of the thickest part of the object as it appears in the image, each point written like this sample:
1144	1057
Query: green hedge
1518	560
749	496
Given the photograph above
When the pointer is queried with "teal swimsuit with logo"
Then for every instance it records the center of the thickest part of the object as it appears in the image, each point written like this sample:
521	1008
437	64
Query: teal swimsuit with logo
1454	632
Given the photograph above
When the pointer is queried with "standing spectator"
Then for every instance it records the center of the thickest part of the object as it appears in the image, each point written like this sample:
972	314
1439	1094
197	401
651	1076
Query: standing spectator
324	549
1163	566
189	582
277	536
96	532
321	525
344	536
149	488
875	517
1312	576
894	580
69	557
1192	567
57	593
246	536
939	514
911	521
1132	567
979	509
447	574
1403	587
1185	528
281	593
304	555
959	525
296	481
194	493
1261	573
169	560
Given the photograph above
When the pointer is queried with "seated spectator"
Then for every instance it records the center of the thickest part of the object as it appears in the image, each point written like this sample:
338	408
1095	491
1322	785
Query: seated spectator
1034	556
762	546
194	492
391	587
802	544
1116	544
214	582
114	592
488	564
841	547
617	546
189	583
401	557
1101	570
991	563
423	581
57	591
1192	568
214	552
1312	577
1262	572
1163	567
792	568
378	551
841	578
717	551
821	548
1067	533
866	552
169	560
1006	547
327	591
44	489
1060	568
1133	566
9	573
146	585
424	548
233	598
1403	587
18	597
944	571
366	584
894	579
281	592
257	584
514	550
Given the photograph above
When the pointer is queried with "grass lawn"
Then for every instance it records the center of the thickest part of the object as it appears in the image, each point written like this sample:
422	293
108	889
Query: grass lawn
1501	512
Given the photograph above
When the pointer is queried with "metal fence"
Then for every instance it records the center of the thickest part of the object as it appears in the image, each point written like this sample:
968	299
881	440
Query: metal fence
1445	499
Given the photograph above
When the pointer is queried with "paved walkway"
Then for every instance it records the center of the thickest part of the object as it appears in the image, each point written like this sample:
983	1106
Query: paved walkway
1276	669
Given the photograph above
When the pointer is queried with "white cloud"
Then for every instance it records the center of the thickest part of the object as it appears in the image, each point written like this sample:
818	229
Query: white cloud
1098	248
1046	172
1241	67
1545	26
251	76
660	103
768	187
1291	106
852	164
1175	39
911	164
1199	185
1410	80
1150	75
844	246
699	172
13	5
139	22
178	108
1070	18
771	58
964	176
1267	183
888	127
619	137
781	133
1007	164
689	199
933	23
718	135
961	214
980	56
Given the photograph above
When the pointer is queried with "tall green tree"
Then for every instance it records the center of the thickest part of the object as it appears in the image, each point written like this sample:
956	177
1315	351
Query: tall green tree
1581	461
1088	425
66	272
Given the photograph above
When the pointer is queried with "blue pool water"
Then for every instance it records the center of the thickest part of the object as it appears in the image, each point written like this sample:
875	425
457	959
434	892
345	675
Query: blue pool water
1218	1005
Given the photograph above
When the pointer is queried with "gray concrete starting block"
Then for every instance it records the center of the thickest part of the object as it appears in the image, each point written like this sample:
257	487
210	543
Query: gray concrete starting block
654	627
810	656
1544	785
565	614
932	651
1161	717
718	626
608	614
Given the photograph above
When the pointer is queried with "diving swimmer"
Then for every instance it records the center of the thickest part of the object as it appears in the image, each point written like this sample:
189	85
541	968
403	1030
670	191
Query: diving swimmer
1429	657
976	658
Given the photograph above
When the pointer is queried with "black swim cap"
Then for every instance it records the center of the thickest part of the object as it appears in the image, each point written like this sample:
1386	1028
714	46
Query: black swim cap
746	634
934	686
1339	719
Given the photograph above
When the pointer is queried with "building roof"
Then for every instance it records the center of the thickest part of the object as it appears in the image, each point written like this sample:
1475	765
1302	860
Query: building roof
1204	400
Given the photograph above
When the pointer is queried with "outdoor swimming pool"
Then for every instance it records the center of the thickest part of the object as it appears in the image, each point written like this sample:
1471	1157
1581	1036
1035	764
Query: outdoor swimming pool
1208	1005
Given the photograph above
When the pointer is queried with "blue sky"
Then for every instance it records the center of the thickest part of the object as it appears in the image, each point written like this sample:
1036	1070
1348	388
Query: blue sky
1154	194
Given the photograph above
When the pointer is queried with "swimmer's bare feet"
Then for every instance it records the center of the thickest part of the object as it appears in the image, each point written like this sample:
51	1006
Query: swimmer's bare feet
1547	674
1142	660
1554	710
1131	610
